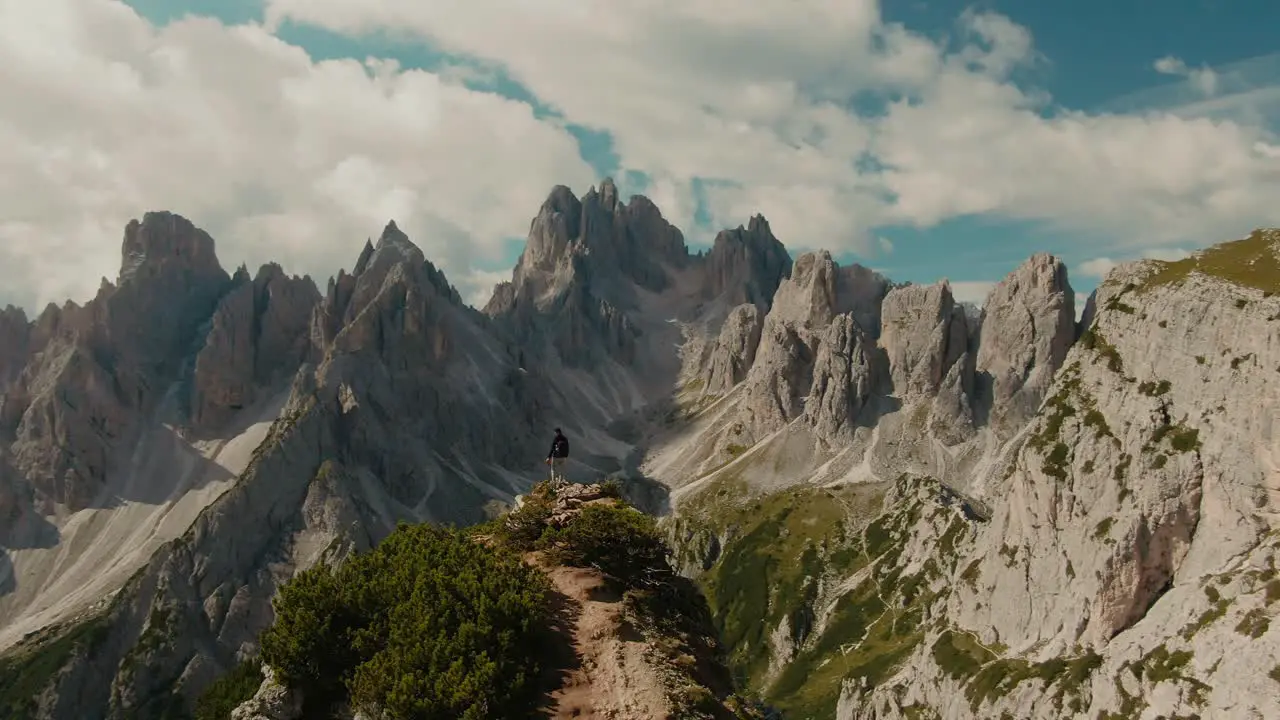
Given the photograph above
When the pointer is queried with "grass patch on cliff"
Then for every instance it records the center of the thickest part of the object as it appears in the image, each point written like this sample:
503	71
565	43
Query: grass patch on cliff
229	691
1094	340
28	669
1250	263
428	624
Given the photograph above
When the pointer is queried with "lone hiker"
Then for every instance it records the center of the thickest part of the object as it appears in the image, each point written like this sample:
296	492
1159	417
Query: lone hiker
557	457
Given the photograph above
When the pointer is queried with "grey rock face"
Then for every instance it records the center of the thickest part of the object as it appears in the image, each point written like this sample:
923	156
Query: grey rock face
15	338
843	378
923	337
735	349
783	372
259	335
571	290
1027	327
273	701
746	265
101	365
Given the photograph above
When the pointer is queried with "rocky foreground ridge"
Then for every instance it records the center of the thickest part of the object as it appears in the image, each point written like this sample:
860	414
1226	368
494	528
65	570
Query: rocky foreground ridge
958	513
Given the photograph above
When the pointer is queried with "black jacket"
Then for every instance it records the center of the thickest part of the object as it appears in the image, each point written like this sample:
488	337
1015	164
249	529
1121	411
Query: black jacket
559	447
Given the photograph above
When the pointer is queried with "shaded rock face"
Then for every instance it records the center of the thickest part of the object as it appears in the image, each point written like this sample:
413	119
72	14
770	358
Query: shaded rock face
1028	325
746	265
15	339
259	335
567	293
102	366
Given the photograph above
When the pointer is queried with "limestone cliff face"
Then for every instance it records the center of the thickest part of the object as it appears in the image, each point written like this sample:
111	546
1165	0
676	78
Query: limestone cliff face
259	336
1028	324
923	338
746	265
103	366
15	339
791	347
1132	534
567	293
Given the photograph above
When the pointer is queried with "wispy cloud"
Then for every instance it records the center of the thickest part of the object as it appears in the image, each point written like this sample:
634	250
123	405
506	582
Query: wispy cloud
1203	79
1246	92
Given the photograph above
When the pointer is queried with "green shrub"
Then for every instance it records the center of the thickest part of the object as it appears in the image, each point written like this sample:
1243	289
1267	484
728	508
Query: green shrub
618	540
522	527
428	624
229	691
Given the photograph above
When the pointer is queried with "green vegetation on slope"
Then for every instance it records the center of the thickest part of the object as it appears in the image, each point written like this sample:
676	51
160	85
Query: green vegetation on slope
27	671
1250	263
781	547
428	624
986	676
807	560
229	691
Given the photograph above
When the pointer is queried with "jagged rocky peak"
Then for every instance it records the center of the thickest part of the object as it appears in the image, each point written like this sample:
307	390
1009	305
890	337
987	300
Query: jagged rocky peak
819	289
844	378
164	240
1028	325
557	224
595	238
103	367
923	334
734	350
15	336
653	236
395	259
258	336
746	265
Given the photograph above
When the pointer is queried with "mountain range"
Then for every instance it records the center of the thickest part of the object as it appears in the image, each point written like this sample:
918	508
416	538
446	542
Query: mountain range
897	505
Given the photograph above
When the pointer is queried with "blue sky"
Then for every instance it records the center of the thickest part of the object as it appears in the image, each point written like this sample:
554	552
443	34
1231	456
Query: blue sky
1091	57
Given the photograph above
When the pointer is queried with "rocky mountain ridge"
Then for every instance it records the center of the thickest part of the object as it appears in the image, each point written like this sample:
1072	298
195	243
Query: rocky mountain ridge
683	374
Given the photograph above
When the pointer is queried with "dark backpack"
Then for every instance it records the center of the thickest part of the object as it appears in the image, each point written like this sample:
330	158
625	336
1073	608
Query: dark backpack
560	448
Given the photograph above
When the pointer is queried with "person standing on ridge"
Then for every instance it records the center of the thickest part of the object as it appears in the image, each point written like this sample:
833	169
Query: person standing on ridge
557	457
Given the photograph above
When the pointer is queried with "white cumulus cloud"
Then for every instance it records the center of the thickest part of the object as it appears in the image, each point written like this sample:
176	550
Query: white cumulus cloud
278	156
284	157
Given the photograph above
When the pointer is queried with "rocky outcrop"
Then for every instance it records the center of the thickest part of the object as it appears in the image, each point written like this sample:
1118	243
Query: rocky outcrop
923	337
735	349
259	336
1028	324
15	338
273	701
104	366
782	374
843	379
746	265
